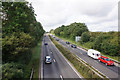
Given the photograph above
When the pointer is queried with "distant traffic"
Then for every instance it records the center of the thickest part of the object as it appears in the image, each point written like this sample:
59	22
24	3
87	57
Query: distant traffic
91	53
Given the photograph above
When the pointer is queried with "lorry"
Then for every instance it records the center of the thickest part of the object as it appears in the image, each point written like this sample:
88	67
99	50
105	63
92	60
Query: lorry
93	53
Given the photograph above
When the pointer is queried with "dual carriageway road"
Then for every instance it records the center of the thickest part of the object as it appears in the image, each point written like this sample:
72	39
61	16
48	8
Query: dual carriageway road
61	68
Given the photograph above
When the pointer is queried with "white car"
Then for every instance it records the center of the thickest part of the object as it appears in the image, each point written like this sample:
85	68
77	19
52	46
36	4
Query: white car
48	59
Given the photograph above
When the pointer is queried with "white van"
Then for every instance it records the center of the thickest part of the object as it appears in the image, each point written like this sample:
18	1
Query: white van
93	53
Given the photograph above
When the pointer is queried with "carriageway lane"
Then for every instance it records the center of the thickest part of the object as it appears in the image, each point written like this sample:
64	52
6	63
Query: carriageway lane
59	67
109	71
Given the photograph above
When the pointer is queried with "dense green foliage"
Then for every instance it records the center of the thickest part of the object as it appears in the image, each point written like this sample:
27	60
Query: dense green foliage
36	59
105	42
52	31
85	37
20	33
72	30
12	70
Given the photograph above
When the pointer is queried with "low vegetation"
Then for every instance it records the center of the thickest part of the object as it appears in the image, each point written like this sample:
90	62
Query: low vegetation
84	70
35	60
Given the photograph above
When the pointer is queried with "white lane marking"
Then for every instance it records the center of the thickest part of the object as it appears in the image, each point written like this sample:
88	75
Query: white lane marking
96	61
61	77
80	53
71	66
82	49
51	52
41	76
77	51
67	61
116	64
80	58
54	60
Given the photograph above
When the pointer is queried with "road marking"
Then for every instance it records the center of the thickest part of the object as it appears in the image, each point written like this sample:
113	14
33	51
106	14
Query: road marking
51	51
82	59
54	60
80	53
61	77
96	61
41	64
67	61
71	66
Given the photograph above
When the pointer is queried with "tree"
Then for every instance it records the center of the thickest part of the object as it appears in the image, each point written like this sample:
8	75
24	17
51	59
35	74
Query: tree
98	42
72	30
51	31
85	37
20	33
14	45
92	39
11	71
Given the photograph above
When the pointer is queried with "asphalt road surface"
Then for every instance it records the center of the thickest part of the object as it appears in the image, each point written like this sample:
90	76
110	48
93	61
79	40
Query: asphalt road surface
60	69
112	72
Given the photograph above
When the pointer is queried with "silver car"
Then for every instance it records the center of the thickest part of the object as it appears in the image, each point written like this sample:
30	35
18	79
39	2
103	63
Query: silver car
48	59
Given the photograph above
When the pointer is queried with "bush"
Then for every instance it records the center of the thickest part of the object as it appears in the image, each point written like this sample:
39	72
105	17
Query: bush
109	49
15	45
11	71
85	37
72	30
92	39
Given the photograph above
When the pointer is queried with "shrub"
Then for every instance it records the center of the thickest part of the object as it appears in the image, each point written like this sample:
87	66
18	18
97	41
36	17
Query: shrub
85	37
92	39
12	70
15	45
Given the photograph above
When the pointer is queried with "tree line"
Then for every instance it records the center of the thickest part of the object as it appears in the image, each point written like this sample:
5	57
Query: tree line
105	42
72	30
20	33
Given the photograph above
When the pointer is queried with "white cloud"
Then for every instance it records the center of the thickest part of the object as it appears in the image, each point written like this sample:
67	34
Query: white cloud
100	14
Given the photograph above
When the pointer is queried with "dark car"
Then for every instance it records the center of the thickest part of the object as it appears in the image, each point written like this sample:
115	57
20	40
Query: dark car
67	42
45	43
106	60
73	45
53	36
57	39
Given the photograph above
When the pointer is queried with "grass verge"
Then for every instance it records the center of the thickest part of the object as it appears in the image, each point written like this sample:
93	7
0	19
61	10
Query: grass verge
83	69
35	60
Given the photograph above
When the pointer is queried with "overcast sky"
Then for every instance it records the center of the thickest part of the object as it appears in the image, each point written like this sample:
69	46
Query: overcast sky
98	15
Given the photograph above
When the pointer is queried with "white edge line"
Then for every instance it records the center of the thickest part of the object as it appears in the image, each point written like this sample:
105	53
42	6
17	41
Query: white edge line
61	77
54	60
110	58
92	66
41	76
72	66
69	63
100	72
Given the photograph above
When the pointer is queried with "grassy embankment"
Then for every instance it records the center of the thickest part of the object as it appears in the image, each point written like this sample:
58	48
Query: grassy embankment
88	46
34	63
84	70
